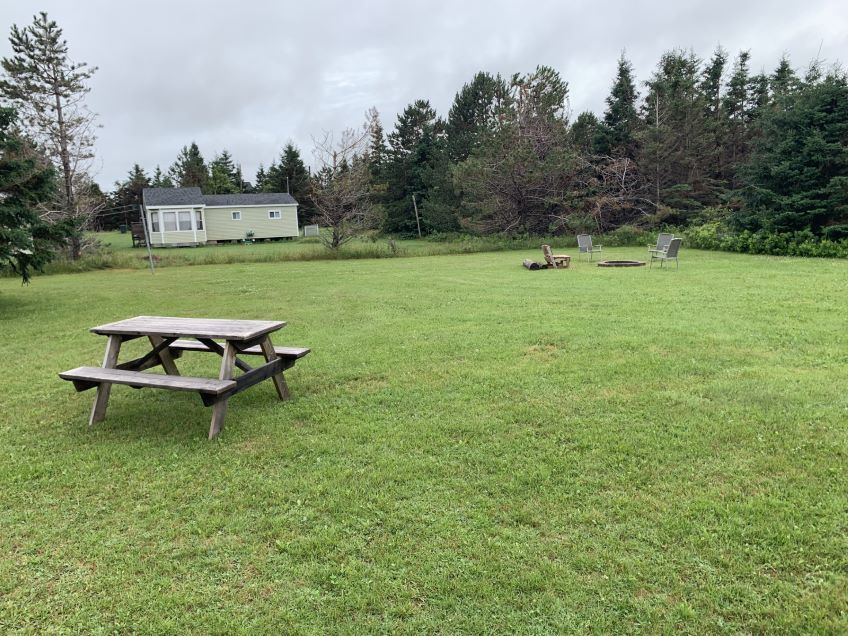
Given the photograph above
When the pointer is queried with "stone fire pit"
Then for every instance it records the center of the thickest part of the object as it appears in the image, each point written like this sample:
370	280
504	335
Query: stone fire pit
621	263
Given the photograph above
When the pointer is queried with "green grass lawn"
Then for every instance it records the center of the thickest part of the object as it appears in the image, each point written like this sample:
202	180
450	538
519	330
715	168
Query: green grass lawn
471	448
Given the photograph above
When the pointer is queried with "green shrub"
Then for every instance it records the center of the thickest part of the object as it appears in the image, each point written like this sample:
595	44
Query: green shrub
716	236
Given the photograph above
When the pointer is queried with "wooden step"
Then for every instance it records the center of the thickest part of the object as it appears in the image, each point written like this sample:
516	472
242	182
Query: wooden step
282	352
88	377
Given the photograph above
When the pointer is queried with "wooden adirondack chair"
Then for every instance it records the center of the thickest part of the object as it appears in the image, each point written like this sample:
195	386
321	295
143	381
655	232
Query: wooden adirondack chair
563	260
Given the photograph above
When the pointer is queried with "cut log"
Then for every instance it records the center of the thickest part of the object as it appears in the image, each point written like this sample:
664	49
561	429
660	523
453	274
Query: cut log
533	265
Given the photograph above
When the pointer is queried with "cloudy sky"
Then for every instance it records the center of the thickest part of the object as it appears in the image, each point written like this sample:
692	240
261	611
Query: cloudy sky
249	76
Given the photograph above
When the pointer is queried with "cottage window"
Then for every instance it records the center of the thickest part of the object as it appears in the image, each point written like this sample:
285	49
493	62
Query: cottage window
236	216
198	218
185	220
169	221
154	221
273	214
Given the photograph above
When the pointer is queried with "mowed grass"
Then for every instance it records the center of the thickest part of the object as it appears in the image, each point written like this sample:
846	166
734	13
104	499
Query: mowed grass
471	448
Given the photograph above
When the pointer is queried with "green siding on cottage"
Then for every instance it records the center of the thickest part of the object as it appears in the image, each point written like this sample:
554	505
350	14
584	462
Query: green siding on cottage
220	225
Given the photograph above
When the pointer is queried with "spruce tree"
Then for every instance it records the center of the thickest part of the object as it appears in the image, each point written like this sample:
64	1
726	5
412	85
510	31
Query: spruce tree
26	181
797	177
412	155
620	116
160	179
49	90
189	170
472	115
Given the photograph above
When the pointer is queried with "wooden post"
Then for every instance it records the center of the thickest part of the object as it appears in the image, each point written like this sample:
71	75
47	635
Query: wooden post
220	409
110	361
165	356
279	379
417	222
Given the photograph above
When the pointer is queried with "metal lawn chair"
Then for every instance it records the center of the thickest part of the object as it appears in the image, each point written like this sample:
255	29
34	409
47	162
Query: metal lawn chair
584	244
669	255
662	243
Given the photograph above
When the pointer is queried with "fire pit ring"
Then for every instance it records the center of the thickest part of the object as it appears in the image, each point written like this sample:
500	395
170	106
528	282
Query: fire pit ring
621	263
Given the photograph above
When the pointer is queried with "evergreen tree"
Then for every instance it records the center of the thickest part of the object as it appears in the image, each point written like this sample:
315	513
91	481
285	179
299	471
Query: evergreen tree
584	132
224	175
261	179
128	191
412	155
189	170
220	181
26	181
472	115
620	117
798	174
49	92
522	178
160	179
675	141
738	111
377	149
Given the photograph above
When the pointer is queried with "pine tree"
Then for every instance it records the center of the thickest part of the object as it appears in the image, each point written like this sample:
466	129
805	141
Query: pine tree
674	153
26	181
261	179
797	178
472	115
128	191
412	154
189	170
49	92
620	117
160	179
738	111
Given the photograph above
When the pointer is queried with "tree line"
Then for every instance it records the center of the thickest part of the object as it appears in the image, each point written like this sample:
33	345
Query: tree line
698	143
698	140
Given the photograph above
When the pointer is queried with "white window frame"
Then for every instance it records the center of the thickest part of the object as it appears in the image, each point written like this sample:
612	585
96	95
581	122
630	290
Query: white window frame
235	215
154	221
275	215
198	220
169	215
181	219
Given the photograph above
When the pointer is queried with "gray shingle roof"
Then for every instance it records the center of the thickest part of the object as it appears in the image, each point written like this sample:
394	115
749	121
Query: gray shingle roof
260	198
154	197
172	196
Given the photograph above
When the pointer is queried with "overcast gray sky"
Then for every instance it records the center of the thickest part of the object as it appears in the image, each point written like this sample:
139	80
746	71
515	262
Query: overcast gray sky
250	75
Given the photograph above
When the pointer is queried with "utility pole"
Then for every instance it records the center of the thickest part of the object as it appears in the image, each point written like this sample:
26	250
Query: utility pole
417	222
287	185
147	239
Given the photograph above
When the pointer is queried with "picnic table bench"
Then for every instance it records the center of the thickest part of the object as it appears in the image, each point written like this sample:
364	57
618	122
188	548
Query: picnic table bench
169	338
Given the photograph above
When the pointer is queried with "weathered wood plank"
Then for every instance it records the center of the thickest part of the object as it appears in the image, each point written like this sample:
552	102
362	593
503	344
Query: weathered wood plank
219	411
282	352
160	346
170	327
278	378
213	346
110	359
108	376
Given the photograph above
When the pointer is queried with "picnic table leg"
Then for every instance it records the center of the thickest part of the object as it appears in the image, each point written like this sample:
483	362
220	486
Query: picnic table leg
165	356
219	410
279	379
110	360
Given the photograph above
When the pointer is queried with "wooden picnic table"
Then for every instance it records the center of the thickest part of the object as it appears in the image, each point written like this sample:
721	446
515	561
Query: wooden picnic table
240	337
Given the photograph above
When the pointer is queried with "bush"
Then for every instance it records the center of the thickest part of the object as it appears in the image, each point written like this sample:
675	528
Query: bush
716	236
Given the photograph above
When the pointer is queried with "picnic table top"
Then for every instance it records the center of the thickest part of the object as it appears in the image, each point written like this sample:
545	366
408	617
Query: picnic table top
169	327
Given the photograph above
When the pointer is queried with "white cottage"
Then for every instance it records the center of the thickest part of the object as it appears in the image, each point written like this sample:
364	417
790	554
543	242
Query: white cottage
185	216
